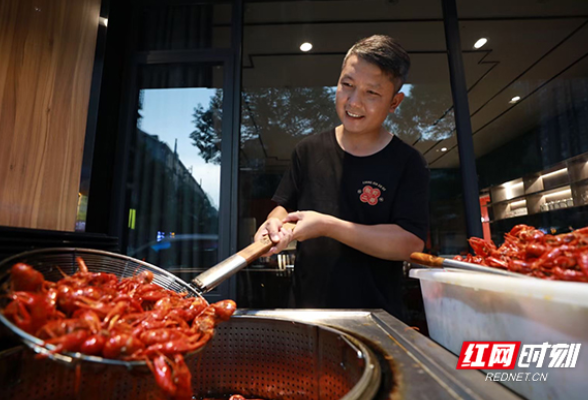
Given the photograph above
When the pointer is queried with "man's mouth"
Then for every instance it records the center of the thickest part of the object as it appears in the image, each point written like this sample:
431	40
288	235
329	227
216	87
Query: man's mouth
352	115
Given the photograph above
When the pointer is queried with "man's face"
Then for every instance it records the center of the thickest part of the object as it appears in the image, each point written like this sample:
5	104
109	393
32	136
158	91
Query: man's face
365	96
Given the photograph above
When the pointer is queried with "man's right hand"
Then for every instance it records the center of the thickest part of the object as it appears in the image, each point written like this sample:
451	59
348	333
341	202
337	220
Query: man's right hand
281	237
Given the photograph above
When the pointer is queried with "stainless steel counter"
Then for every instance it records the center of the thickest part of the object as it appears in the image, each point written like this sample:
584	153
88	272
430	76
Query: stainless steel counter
420	368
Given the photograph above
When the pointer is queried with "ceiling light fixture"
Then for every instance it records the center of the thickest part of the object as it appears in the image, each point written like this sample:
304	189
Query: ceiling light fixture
481	42
104	21
515	99
306	46
443	149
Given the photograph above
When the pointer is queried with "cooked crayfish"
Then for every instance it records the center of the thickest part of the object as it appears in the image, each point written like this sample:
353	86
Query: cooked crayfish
233	397
128	319
529	251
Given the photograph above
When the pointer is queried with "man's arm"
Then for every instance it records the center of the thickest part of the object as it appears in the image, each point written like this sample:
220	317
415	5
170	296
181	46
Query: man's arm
386	241
279	212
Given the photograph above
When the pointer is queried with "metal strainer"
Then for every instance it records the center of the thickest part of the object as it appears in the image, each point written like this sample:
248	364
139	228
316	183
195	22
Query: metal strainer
256	357
47	262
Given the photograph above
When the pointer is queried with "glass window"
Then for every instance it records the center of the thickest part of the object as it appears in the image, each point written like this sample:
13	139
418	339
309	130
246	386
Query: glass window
289	94
185	27
527	72
174	167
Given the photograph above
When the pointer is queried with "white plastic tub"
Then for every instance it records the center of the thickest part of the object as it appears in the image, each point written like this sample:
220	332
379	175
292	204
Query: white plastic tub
463	306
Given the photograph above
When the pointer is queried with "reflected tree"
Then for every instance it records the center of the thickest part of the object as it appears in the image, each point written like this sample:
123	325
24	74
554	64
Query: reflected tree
293	111
207	135
303	111
419	115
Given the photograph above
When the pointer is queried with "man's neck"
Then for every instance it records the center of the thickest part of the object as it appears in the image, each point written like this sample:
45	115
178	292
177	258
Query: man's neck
362	144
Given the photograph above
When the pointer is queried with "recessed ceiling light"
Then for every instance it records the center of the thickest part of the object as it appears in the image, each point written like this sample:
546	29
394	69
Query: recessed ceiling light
515	99
306	46
443	149
481	42
104	21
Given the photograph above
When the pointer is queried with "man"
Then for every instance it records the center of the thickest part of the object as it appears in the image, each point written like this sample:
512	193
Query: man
361	192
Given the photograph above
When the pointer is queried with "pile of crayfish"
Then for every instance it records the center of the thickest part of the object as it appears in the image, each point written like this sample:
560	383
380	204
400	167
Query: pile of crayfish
130	319
531	252
235	397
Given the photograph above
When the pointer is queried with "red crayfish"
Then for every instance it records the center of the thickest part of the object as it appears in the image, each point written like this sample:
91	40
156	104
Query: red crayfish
234	397
128	319
529	251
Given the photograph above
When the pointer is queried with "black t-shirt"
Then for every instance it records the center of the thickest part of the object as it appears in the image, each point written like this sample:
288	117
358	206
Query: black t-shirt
389	187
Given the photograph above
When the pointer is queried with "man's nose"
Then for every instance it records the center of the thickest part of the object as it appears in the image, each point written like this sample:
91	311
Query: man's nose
354	98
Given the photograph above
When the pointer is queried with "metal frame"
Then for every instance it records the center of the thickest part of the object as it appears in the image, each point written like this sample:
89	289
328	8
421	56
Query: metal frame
463	125
93	104
128	103
233	190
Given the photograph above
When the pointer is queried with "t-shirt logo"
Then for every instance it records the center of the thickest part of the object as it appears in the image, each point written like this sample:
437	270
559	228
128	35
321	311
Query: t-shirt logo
370	195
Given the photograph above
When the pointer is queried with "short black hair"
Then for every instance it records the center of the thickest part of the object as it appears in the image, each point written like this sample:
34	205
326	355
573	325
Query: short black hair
386	53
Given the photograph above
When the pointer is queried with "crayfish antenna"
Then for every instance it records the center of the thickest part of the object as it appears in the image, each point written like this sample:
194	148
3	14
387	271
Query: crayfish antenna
149	364
61	271
82	265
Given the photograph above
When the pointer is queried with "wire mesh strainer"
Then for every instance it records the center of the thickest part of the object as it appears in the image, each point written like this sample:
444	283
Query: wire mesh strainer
50	262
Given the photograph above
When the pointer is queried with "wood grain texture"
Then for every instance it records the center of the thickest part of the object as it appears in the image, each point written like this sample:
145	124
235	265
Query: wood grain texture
46	60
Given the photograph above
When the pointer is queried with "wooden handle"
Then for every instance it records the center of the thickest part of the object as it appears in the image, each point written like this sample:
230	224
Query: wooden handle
256	249
427	259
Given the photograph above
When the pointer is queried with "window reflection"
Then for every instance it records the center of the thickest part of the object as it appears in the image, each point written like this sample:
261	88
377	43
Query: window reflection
425	114
174	182
528	104
289	94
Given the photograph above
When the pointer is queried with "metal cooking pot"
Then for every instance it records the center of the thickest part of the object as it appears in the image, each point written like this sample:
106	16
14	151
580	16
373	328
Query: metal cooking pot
253	356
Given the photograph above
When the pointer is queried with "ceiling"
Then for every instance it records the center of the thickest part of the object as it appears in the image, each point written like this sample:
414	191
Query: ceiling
535	48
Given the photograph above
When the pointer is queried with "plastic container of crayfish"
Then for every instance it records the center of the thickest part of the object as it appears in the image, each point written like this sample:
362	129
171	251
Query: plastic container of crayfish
471	306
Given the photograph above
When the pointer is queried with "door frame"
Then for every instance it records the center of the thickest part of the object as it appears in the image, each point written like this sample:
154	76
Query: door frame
230	59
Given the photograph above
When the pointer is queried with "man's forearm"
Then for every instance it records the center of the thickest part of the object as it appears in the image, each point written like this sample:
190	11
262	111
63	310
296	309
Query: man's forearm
386	241
279	212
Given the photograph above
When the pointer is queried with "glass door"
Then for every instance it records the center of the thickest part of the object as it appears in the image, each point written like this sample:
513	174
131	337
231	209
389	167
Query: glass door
174	167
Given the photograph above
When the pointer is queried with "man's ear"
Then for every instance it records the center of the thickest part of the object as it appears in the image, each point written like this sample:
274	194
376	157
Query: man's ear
396	100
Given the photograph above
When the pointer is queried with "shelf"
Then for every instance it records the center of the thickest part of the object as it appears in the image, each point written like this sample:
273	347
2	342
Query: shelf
537	213
525	196
565	183
579	182
502	219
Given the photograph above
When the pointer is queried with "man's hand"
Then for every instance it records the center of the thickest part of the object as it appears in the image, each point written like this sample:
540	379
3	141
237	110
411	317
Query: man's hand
309	224
281	237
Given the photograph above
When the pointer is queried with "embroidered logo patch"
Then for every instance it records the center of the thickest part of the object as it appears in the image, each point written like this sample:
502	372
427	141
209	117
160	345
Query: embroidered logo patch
370	195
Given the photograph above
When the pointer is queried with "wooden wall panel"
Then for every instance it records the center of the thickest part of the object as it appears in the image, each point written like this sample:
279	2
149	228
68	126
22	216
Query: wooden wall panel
46	59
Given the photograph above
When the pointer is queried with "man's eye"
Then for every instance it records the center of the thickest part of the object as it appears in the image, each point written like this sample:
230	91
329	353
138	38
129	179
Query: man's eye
373	93
346	84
